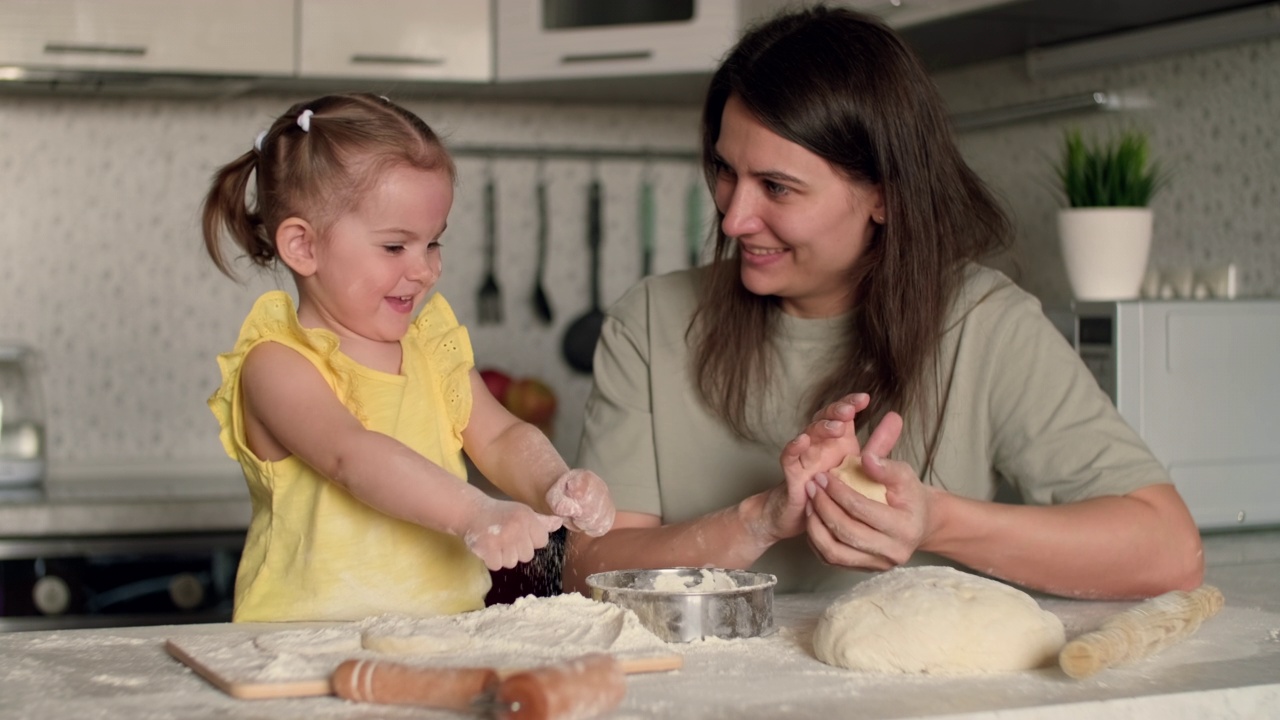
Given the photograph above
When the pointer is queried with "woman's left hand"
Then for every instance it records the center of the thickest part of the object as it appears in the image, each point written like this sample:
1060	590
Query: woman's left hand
851	530
582	499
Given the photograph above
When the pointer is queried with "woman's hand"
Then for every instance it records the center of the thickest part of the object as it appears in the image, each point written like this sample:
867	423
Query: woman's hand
851	530
504	533
582	499
823	445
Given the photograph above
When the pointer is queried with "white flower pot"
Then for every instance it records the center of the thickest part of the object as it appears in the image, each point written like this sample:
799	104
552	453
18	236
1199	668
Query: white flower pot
1105	250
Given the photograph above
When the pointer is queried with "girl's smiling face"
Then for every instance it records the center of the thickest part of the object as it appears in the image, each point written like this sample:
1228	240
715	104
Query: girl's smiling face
799	225
377	263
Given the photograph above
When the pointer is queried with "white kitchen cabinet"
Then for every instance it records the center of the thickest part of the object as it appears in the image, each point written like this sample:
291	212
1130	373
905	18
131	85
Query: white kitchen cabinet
555	39
214	37
396	39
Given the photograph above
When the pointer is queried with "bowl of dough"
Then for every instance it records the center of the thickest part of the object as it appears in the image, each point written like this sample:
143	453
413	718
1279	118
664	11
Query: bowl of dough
685	604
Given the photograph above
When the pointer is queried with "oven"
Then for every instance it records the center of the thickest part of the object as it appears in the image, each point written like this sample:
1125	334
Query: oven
117	580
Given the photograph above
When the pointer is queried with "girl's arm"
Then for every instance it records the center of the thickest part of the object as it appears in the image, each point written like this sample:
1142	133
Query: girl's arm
523	463
290	410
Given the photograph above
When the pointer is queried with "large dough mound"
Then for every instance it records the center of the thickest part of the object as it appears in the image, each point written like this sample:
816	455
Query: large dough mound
936	620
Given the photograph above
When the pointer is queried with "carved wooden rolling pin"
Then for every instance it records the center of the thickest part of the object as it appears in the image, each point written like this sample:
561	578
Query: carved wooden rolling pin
1140	631
583	687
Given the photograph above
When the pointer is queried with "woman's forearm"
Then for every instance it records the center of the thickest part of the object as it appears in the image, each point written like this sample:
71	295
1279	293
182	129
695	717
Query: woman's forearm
1121	547
731	538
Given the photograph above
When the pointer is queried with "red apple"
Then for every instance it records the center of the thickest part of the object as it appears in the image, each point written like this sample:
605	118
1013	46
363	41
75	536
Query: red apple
498	383
532	401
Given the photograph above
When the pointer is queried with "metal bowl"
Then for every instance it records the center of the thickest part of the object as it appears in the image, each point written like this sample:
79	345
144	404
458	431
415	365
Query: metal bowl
694	609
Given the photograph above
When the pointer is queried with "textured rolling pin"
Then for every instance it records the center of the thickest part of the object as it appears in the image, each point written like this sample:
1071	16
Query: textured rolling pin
572	690
1140	631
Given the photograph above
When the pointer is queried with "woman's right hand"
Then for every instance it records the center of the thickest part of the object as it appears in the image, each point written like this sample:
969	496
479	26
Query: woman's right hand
847	529
504	533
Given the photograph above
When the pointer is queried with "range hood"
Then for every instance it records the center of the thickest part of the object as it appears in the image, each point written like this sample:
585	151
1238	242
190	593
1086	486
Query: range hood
951	34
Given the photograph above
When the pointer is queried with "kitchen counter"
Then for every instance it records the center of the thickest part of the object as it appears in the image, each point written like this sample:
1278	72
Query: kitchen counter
1229	669
129	501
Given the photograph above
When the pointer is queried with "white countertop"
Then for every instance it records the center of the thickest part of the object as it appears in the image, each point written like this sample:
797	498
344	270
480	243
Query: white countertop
129	501
1229	669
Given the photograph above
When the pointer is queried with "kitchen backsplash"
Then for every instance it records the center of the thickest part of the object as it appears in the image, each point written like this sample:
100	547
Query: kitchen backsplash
1213	125
103	269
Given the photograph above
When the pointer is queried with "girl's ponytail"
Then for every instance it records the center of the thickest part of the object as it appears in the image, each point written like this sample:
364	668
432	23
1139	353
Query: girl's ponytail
226	210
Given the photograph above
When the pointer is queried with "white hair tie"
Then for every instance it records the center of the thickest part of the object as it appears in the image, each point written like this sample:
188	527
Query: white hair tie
304	120
257	142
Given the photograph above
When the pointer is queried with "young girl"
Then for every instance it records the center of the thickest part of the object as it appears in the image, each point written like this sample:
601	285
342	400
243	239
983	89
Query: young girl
350	416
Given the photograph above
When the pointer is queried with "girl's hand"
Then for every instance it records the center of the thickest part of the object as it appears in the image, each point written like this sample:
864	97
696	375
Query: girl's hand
504	533
582	499
850	530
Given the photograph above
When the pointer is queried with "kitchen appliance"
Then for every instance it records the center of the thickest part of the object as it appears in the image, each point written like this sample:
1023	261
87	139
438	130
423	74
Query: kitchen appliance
22	423
111	581
1199	380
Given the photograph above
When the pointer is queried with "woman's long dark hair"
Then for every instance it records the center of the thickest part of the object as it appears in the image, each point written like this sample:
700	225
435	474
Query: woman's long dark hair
848	89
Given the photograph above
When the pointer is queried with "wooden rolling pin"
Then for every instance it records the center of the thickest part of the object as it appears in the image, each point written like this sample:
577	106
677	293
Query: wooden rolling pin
1140	631
579	688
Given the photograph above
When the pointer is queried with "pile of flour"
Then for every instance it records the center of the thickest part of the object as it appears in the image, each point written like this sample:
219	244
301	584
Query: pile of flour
707	580
531	631
542	628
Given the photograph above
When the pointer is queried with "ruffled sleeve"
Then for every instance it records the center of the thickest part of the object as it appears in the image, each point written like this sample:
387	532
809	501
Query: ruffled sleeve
272	319
447	346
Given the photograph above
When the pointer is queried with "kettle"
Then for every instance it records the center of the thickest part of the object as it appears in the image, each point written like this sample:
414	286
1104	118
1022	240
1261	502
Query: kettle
22	423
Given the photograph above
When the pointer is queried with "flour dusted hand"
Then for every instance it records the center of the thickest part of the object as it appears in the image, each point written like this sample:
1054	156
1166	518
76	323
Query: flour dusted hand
582	499
504	533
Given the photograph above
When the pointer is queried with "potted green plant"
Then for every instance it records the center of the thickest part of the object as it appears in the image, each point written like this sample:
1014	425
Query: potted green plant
1105	230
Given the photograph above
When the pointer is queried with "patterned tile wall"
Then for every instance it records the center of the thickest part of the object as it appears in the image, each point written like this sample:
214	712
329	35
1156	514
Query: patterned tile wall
1213	126
102	268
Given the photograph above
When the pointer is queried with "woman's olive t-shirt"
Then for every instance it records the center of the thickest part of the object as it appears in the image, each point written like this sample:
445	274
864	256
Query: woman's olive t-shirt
1020	407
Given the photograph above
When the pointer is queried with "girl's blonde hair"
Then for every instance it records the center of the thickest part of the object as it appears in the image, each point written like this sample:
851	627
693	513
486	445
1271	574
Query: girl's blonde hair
315	162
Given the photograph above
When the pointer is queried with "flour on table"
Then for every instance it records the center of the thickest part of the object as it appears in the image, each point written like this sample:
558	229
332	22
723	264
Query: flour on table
936	620
404	635
542	629
316	641
708	580
529	632
285	666
556	628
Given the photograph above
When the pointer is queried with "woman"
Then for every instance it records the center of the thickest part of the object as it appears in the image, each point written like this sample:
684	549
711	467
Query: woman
845	260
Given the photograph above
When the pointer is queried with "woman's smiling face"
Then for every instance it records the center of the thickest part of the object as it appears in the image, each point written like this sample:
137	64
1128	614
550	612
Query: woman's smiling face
800	226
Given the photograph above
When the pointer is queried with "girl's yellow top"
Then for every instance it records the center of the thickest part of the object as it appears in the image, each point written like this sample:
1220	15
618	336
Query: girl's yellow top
314	552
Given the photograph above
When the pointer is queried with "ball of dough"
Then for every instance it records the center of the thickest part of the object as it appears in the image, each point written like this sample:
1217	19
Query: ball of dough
850	473
936	620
